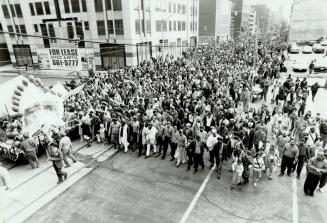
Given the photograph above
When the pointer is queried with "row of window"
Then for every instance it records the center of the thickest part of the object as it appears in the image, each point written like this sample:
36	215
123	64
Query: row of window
142	26
75	6
18	29
114	26
161	25
38	9
174	8
109	5
15	10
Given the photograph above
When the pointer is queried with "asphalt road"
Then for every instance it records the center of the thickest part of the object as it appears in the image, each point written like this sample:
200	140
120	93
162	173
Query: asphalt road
130	189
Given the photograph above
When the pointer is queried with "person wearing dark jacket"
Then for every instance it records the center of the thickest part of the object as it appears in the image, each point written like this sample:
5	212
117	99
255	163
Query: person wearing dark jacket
195	150
55	155
303	157
314	90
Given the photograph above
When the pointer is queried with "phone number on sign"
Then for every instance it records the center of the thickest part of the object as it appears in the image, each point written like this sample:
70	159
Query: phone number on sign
71	63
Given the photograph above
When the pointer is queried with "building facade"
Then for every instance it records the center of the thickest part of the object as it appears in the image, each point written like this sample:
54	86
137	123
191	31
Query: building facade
214	21
262	17
121	32
242	11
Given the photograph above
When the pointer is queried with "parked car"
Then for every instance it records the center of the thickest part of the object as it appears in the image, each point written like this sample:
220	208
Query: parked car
321	65
318	48
294	48
300	65
323	43
307	49
311	42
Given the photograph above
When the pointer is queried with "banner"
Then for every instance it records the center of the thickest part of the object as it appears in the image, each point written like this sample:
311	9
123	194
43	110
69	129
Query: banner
76	59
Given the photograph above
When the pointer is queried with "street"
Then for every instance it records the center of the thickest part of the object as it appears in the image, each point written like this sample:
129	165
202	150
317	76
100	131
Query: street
129	189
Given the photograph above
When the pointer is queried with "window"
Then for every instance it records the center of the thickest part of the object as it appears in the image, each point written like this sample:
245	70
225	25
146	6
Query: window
170	26
84	8
101	27
75	6
116	6
47	8
191	11
70	30
179	9
174	25
164	25
148	26
158	25
183	9
36	28
174	8
51	30
169	7
39	8
23	29
11	30
158	6
12	10
44	32
191	26
119	27
179	25
163	5
98	5
108	4
17	28
137	26
86	25
183	25
195	26
5	11
18	10
66	6
110	24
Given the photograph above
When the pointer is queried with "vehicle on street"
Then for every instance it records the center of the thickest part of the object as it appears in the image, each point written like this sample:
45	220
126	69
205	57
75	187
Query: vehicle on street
311	42
300	66
320	65
323	43
294	48
307	50
318	48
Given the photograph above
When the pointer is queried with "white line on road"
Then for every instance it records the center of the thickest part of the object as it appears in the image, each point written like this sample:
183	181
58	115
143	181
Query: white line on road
197	196
295	207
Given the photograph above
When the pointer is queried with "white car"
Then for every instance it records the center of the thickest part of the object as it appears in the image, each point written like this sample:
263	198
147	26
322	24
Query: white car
307	49
317	48
323	43
300	65
294	48
320	65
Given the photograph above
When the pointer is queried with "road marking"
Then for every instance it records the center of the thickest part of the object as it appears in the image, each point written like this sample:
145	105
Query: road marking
197	196
295	207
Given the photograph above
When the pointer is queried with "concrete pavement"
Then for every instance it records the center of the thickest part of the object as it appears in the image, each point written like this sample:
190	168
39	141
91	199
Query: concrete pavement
126	189
31	189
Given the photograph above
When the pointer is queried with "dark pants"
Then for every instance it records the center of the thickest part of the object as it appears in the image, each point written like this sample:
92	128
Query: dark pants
62	175
166	143
323	180
287	162
173	147
190	159
159	144
300	165
310	184
141	148
216	156
32	159
198	159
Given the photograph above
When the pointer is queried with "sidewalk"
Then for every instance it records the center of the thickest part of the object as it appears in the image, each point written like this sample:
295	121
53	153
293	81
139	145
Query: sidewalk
32	189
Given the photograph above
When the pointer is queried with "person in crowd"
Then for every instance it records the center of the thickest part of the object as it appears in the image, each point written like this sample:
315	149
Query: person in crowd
114	132
258	166
290	156
29	148
323	178
272	158
65	145
211	142
151	140
124	133
314	90
304	156
55	155
5	178
196	150
180	154
167	133
237	168
316	167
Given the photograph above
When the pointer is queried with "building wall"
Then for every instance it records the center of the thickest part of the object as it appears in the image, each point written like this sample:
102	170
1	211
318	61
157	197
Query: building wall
132	15
207	17
223	21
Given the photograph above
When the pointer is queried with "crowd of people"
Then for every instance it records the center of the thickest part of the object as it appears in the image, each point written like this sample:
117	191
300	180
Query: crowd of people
200	103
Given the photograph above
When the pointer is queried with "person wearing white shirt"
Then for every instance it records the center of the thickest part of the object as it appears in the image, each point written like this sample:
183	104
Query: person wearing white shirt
151	139
211	142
